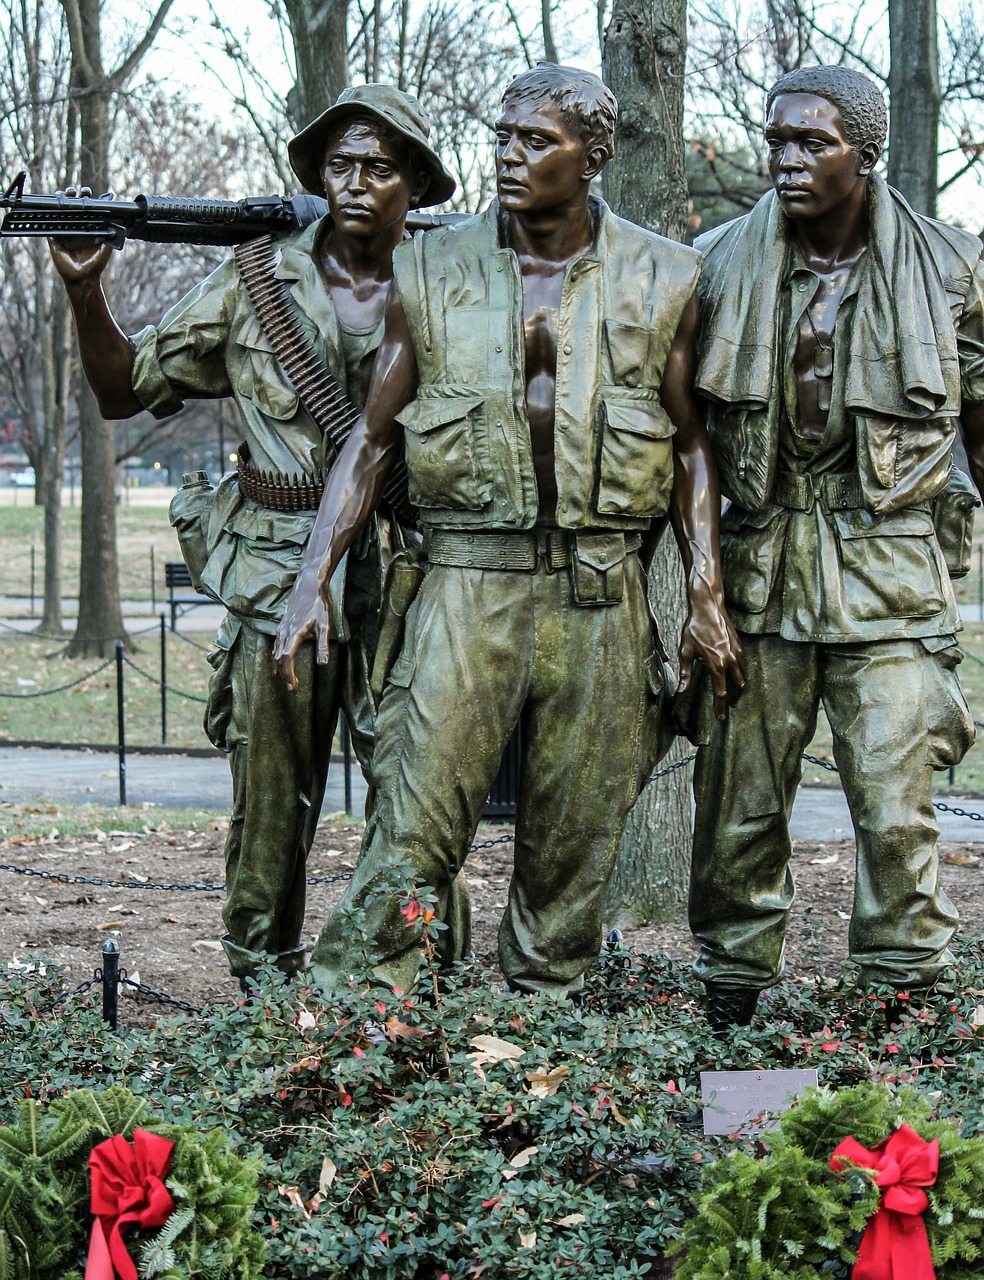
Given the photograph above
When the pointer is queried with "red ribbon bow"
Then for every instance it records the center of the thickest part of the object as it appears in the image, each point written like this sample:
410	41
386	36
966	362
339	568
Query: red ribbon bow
127	1189
895	1245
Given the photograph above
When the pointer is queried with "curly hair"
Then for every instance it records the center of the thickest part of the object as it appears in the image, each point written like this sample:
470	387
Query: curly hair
585	102
858	99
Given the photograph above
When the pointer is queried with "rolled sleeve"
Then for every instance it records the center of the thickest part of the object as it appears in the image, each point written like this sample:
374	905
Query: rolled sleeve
970	340
183	358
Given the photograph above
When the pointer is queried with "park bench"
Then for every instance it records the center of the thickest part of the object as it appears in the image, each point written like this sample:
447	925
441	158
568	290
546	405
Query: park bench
181	595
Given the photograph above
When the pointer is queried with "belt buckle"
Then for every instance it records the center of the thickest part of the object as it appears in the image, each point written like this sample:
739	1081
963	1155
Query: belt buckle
546	541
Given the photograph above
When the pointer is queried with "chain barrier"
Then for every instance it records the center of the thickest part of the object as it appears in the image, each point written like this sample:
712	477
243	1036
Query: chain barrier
67	995
44	693
178	693
160	996
203	648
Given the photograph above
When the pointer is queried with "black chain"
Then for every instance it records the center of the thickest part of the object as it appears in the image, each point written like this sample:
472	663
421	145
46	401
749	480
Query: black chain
672	768
43	693
160	996
205	648
83	986
179	693
103	883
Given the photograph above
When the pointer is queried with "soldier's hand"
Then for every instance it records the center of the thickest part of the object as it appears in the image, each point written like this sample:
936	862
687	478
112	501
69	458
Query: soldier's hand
306	615
77	260
709	636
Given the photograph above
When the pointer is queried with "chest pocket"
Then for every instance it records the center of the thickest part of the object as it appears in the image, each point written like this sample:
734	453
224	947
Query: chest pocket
256	375
446	451
635	466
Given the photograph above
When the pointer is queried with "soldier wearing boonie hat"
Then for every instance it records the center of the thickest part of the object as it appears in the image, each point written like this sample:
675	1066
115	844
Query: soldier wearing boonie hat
372	148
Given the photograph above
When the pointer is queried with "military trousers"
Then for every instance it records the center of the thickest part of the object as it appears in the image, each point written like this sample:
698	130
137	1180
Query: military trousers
897	713
485	650
279	745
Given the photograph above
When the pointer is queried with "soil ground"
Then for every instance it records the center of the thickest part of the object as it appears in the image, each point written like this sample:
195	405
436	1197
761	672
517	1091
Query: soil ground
168	939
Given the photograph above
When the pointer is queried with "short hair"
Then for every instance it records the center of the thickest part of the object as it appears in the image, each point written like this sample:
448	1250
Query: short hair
585	102
409	162
858	99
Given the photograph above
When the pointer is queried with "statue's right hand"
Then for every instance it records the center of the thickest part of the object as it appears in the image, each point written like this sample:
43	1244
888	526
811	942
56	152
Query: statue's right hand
306	615
79	260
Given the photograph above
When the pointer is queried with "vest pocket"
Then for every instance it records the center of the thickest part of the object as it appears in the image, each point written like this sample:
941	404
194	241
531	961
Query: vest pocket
891	564
635	472
444	442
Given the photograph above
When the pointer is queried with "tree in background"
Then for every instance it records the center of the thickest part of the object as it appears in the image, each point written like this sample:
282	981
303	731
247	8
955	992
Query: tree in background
37	134
95	93
644	59
738	50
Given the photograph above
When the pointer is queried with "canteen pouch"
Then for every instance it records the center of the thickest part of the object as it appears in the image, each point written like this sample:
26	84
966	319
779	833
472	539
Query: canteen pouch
188	514
598	568
953	518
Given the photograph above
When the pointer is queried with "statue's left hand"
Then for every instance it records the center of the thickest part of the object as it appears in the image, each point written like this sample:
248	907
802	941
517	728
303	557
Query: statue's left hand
709	637
306	615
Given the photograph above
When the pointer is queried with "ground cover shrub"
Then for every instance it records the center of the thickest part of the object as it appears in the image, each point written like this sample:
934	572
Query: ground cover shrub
463	1131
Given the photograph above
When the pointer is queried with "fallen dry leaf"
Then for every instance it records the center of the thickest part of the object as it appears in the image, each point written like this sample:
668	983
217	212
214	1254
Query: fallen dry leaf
962	859
397	1030
826	861
572	1220
527	1239
976	1019
492	1049
328	1171
294	1196
545	1083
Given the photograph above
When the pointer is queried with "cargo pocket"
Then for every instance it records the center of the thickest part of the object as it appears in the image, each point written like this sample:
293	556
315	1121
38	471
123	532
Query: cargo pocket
635	474
391	723
951	730
256	375
750	542
892	565
446	453
658	727
598	568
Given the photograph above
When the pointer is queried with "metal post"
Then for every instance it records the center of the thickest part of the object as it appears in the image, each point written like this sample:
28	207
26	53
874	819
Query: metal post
347	763
110	982
163	679
32	579
121	719
153	582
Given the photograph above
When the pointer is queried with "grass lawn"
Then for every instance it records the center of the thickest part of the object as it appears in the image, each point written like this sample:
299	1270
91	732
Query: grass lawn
87	711
25	822
139	528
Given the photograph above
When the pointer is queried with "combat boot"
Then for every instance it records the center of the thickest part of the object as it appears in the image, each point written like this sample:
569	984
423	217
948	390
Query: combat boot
729	1006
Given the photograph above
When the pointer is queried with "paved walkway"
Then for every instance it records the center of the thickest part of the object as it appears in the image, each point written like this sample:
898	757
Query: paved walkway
29	773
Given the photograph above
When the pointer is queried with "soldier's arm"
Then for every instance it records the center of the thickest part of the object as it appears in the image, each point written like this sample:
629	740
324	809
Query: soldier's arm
695	508
970	353
104	349
354	488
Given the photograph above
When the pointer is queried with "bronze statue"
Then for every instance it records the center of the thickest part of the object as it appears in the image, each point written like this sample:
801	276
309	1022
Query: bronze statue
842	335
244	542
536	368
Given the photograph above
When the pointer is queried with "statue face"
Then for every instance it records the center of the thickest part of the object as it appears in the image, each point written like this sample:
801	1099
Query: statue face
366	186
813	166
539	162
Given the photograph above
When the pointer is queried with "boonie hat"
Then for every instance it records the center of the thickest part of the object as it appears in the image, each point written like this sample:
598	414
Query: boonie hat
401	112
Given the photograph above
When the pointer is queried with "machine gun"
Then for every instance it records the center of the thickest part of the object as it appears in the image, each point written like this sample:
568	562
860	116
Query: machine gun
167	219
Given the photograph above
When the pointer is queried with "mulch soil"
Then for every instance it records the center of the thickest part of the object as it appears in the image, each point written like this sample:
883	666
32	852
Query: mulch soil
168	938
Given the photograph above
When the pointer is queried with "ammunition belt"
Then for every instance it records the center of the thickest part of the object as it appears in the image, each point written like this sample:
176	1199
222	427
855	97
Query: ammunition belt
276	491
519	550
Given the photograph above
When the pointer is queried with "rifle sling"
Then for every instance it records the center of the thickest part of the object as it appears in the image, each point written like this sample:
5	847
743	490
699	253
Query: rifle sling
334	414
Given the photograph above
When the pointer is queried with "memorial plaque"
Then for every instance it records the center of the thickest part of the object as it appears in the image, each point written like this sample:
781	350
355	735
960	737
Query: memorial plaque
748	1101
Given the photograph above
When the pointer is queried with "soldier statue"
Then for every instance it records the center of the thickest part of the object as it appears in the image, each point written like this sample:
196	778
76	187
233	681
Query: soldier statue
369	155
842	338
536	369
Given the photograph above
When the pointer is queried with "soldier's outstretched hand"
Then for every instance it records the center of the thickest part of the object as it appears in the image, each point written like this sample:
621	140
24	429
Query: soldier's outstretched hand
709	637
79	259
306	615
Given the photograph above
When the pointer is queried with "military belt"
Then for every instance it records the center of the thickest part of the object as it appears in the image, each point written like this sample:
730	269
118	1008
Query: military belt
833	492
521	551
276	491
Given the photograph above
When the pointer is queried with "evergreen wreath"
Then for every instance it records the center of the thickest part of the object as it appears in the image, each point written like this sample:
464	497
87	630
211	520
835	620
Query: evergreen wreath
44	1194
788	1216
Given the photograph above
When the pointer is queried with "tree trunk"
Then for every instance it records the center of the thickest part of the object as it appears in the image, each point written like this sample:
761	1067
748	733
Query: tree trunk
914	91
644	55
319	33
